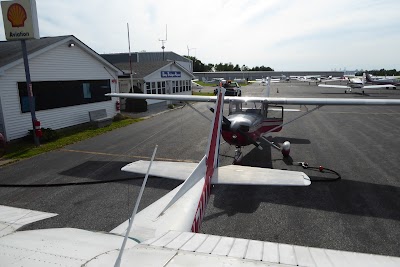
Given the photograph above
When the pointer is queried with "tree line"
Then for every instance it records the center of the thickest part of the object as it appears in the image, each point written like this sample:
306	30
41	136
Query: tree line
199	66
381	72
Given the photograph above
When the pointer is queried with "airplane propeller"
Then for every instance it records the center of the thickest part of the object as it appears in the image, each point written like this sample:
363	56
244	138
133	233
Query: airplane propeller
241	130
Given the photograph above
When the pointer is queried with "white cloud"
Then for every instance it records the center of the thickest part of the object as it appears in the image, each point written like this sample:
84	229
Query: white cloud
283	34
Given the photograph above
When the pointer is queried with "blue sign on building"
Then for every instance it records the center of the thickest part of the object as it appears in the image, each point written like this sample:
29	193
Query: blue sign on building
170	74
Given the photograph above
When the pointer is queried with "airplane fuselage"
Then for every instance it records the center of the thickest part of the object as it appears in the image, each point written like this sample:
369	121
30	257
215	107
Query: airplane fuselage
253	124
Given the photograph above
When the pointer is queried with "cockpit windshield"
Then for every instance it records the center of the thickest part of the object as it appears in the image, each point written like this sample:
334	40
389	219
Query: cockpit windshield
272	112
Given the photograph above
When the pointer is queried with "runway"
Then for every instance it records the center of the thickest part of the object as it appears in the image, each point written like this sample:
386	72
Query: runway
361	212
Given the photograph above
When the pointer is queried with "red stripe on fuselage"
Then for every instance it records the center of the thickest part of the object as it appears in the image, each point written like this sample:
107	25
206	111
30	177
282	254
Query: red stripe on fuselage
205	195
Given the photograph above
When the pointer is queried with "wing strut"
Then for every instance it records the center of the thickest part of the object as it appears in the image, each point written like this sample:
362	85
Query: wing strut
195	109
118	261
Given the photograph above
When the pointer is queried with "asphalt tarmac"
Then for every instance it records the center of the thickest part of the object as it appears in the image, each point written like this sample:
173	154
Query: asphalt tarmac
360	212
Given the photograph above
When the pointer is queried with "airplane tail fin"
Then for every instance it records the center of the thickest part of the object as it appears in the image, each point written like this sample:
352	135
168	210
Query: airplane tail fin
367	77
268	89
209	163
183	208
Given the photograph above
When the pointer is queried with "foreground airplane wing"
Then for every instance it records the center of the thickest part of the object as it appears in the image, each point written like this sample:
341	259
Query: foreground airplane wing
74	247
231	174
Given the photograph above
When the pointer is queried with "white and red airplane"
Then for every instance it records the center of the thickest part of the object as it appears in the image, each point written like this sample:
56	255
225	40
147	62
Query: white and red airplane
252	118
166	232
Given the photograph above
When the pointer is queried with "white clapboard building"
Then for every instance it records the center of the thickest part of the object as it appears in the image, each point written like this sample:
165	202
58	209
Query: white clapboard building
69	80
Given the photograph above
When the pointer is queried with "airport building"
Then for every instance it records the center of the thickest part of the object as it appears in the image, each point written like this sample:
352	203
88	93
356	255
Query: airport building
69	80
153	73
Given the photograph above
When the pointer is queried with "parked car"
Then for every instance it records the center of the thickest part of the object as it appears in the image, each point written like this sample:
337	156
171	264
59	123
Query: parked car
232	89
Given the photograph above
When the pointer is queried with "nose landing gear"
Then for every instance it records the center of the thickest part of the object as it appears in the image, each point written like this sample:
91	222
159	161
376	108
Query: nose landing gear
238	155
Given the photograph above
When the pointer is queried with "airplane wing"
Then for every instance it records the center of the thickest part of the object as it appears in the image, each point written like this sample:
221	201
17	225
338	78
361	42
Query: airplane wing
269	100
231	174
380	86
334	86
74	247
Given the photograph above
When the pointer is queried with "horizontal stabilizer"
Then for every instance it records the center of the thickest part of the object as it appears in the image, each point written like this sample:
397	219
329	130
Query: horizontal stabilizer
244	175
163	169
12	218
231	174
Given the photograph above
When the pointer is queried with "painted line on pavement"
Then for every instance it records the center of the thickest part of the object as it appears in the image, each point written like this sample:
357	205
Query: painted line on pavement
121	155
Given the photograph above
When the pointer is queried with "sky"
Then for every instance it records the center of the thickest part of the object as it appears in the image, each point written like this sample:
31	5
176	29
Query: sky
282	34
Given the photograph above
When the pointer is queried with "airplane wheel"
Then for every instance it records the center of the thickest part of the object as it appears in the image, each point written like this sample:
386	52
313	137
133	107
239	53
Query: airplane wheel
345	92
285	149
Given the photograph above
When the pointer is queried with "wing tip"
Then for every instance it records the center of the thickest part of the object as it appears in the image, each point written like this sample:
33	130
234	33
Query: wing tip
307	180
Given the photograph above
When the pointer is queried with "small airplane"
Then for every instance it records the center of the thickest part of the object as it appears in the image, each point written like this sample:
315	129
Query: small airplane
263	81
310	79
357	83
393	81
166	232
251	118
196	85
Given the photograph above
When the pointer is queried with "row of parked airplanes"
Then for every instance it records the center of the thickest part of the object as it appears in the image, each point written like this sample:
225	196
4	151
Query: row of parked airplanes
352	82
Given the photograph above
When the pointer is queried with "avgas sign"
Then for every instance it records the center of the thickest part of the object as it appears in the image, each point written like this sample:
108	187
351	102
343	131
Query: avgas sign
20	19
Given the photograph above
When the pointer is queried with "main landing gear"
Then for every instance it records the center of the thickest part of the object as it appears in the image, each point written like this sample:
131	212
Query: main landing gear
284	149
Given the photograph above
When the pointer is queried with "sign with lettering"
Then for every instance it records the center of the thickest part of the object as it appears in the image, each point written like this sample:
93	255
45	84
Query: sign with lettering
170	74
20	19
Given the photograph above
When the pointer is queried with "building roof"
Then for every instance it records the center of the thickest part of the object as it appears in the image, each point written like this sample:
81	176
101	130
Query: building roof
141	69
144	57
11	51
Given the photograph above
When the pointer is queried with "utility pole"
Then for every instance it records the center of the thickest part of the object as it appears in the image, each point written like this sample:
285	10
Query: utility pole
130	57
163	41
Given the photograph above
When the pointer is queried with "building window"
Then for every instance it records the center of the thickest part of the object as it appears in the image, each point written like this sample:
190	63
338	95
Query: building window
153	88
159	88
163	87
148	89
86	90
58	94
180	86
176	86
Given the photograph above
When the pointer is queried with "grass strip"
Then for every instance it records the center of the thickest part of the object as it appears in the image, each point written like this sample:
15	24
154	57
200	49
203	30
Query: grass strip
25	149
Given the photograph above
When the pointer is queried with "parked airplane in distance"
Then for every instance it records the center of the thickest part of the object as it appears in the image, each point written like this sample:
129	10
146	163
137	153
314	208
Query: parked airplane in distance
196	85
357	83
263	81
392	81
